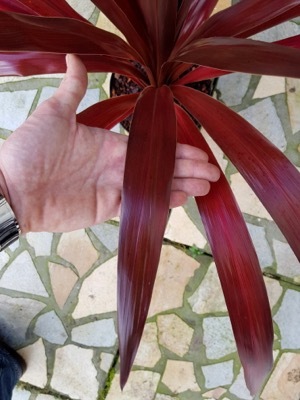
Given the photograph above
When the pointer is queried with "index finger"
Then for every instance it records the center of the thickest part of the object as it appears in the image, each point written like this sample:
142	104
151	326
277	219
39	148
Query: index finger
190	152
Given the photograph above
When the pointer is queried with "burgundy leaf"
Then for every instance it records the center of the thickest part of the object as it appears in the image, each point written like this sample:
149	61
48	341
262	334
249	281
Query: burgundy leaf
106	114
270	174
248	17
145	203
58	35
237	264
243	55
46	8
127	18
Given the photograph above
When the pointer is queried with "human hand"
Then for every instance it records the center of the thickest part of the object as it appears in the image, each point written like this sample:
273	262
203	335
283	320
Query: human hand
59	175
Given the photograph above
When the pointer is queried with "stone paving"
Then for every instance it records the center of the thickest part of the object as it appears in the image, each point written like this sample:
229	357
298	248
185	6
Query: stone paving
58	291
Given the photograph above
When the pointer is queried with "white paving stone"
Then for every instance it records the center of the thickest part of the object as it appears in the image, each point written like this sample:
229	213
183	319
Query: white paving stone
233	88
208	298
98	333
74	373
218	337
35	358
22	276
50	327
258	236
108	235
214	394
164	397
179	376
41	242
293	101
148	352
98	293
269	86
46	397
106	360
287	262
76	247
218	374
246	198
181	229
174	334
85	8
4	258
288	320
141	385
15	317
15	107
63	280
274	290
239	388
174	272
20	394
263	116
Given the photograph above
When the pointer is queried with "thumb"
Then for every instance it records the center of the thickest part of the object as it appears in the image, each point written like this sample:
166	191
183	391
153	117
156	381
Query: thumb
73	87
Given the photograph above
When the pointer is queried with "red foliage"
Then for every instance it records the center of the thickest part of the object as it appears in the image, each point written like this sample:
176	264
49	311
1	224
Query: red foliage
166	37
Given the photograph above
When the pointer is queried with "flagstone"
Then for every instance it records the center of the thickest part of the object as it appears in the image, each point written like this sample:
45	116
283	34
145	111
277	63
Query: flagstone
239	388
20	394
222	4
15	107
293	102
208	298
4	258
274	290
74	373
246	198
164	397
98	293
263	116
218	374
214	394
76	247
141	385
181	229
108	235
148	352
284	382
106	361
174	334
262	247
179	376
104	23
22	276
269	86
288	320
46	397
63	280
96	334
41	242
15	318
85	8
233	88
174	272
287	262
49	327
218	337
36	361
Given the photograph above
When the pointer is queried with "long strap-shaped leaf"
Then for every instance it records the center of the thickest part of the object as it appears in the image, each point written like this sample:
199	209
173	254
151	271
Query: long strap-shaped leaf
58	35
191	15
248	17
243	55
127	18
46	8
237	266
34	63
145	203
160	20
201	73
271	175
106	114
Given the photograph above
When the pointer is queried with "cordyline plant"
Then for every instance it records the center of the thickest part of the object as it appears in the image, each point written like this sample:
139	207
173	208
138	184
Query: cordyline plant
164	38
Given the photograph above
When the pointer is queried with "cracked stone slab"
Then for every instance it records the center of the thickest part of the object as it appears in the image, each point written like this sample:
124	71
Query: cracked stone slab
63	280
218	374
233	88
293	102
74	373
179	376
262	247
41	242
287	262
20	394
141	385
148	353
35	358
214	394
96	334
288	320
106	360
108	235
269	86
49	327
218	337
22	276
239	388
